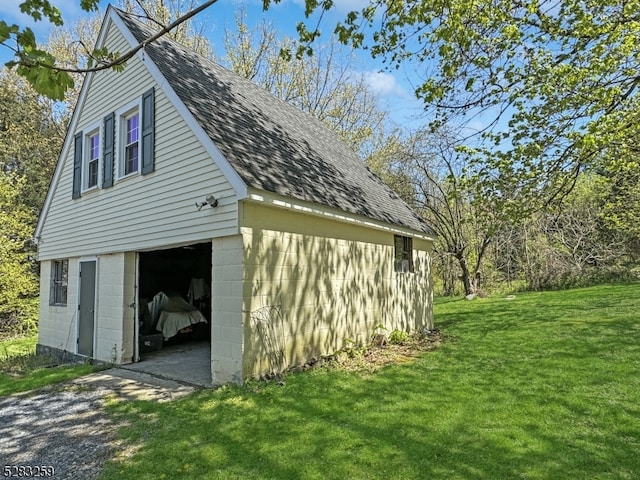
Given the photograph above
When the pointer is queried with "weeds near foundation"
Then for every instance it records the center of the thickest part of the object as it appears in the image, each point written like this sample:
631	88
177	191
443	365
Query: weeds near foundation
382	351
398	337
401	347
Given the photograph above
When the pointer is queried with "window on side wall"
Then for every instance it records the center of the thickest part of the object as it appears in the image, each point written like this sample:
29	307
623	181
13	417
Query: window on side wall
59	280
91	167
403	251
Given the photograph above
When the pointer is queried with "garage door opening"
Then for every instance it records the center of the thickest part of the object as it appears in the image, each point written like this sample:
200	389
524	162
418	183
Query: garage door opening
174	311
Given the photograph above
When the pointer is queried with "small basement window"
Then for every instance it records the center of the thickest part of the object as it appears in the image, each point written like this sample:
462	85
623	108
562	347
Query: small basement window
59	281
403	254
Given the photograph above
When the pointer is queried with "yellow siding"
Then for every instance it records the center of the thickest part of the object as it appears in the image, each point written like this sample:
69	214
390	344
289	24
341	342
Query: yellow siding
311	285
140	212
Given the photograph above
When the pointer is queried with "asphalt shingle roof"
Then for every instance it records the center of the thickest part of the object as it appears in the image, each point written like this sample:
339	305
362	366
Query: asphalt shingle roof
271	144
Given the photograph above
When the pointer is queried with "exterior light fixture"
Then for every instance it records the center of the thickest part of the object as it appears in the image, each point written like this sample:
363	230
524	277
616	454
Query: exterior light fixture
209	200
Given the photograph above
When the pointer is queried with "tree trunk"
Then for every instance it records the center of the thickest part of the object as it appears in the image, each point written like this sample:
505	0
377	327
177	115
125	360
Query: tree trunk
466	275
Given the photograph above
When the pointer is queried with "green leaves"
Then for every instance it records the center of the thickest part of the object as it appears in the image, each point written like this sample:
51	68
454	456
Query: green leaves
537	83
46	81
37	9
38	67
102	56
33	63
89	5
7	30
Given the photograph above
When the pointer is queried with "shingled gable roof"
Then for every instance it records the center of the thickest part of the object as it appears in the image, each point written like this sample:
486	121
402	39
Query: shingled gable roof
272	145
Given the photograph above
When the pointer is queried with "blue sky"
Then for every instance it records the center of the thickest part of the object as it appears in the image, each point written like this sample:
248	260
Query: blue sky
392	88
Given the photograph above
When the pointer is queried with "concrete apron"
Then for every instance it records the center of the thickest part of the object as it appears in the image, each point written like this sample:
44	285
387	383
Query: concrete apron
169	373
186	363
130	385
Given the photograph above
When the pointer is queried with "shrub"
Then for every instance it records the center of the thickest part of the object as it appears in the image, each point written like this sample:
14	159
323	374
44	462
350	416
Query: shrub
398	336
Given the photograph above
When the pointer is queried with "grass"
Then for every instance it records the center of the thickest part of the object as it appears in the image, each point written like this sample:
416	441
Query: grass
543	386
22	370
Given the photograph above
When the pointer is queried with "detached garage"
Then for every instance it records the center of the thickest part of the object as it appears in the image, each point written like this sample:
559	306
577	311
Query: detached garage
267	237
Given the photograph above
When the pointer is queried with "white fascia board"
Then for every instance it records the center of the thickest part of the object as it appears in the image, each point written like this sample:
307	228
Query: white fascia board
315	209
225	167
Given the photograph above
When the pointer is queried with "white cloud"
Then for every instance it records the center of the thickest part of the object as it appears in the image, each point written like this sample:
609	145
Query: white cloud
384	84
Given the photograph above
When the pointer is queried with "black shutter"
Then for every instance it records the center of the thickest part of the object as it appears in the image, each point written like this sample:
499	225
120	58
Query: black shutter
108	150
77	165
148	131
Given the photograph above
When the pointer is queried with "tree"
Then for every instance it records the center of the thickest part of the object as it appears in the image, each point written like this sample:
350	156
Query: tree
389	160
570	245
31	135
429	172
158	14
552	84
325	85
18	282
619	177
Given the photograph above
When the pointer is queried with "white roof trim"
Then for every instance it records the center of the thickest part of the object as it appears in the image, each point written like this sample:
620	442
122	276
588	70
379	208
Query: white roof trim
288	203
228	171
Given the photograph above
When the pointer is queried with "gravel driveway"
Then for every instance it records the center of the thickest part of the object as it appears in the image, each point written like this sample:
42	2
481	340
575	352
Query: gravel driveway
65	426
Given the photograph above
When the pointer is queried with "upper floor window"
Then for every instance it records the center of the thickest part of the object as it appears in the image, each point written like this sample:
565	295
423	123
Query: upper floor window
122	144
403	246
92	162
128	153
131	158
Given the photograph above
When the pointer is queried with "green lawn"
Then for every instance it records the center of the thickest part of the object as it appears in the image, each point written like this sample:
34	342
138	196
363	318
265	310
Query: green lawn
22	370
543	386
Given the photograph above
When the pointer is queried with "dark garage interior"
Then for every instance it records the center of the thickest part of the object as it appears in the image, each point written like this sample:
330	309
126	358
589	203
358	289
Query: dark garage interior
175	296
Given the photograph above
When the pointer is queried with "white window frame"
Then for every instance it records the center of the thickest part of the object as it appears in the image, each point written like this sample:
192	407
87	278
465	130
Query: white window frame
93	129
403	254
122	115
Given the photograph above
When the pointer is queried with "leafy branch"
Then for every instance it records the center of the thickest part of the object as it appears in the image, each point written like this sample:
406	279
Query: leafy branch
39	67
